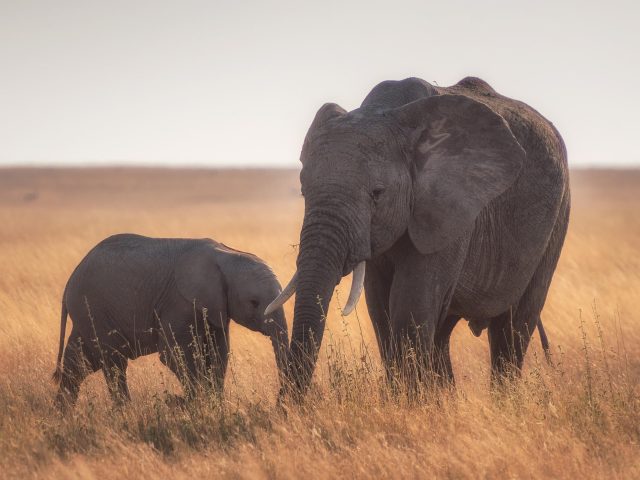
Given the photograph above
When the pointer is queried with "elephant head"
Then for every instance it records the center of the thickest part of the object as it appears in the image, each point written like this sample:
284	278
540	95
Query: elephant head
372	175
251	285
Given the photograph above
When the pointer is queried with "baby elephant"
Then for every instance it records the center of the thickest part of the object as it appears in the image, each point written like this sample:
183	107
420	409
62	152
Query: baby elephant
133	295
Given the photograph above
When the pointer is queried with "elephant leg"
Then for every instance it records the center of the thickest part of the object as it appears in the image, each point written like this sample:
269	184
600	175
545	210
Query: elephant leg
114	368
441	356
218	356
78	363
509	336
180	357
510	333
181	346
377	287
421	293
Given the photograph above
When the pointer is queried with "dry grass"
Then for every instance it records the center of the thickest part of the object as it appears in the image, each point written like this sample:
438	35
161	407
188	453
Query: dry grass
579	419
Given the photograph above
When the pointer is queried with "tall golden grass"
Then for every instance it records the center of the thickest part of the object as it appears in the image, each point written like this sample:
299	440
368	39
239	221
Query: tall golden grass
580	418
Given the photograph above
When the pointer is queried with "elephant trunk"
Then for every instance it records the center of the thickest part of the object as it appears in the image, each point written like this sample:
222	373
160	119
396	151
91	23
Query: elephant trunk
320	267
279	336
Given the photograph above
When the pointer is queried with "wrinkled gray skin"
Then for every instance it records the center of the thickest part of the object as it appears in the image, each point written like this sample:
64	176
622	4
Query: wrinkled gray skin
458	200
133	295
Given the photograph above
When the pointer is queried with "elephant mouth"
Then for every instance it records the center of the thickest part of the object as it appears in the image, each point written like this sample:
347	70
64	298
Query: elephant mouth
351	262
347	269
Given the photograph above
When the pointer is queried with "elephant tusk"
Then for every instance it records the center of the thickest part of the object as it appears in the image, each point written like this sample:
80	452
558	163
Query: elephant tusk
289	290
356	288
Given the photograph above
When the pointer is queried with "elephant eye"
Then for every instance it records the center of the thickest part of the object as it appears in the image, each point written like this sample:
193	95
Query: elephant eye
255	303
377	193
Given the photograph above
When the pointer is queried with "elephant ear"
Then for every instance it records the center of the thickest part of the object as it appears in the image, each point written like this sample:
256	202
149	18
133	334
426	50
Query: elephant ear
327	112
464	155
199	280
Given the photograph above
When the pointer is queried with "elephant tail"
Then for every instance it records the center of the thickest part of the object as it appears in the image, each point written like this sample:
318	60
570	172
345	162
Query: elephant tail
57	375
545	342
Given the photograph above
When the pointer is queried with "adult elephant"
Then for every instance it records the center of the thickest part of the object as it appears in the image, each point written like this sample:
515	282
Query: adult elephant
456	199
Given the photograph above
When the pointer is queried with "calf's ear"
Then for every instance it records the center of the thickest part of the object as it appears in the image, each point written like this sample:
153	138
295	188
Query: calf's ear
200	282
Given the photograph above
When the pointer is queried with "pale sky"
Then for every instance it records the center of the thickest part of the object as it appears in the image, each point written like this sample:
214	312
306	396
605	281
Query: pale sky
220	83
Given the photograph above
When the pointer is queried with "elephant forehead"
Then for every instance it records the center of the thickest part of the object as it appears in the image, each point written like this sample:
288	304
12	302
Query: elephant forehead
261	284
257	271
353	144
341	169
356	126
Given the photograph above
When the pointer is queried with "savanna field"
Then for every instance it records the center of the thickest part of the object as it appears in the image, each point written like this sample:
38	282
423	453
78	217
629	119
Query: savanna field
579	418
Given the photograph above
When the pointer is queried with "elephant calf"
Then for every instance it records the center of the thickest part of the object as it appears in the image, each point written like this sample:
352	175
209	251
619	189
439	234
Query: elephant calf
133	295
